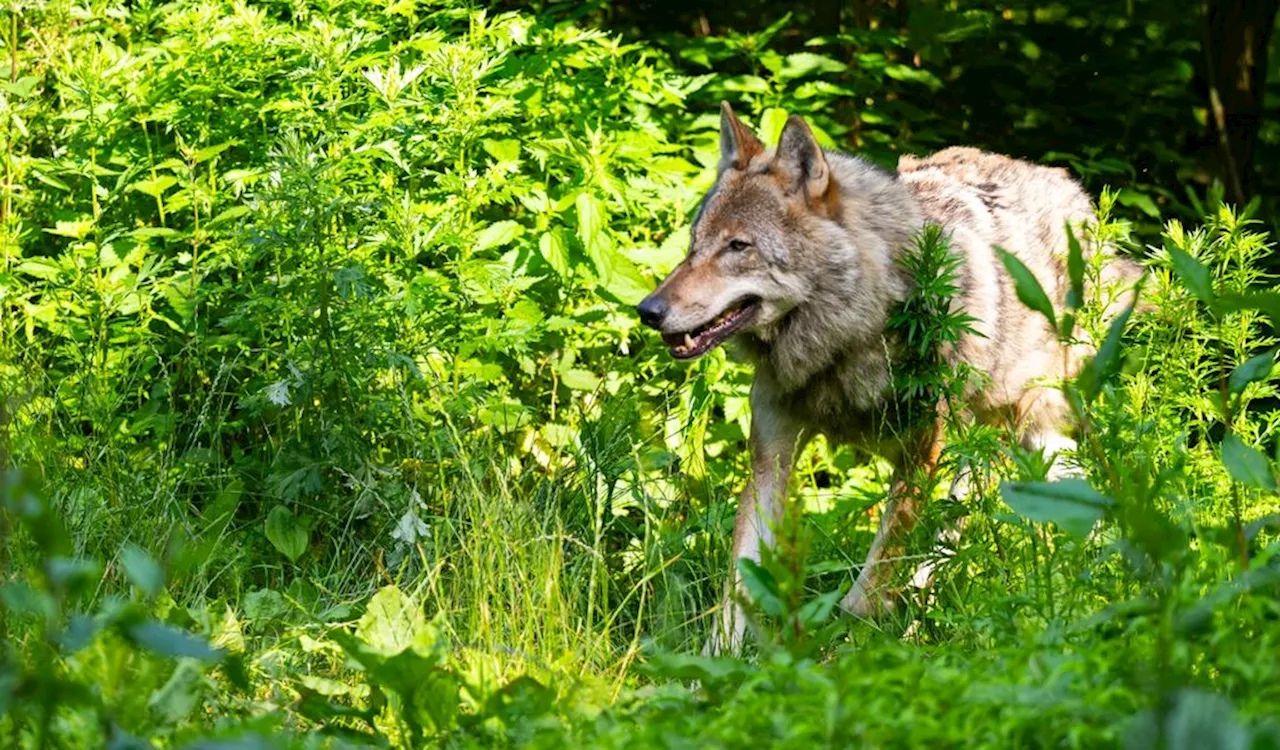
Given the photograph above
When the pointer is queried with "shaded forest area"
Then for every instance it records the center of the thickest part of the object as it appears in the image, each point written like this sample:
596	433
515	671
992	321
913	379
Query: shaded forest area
1148	94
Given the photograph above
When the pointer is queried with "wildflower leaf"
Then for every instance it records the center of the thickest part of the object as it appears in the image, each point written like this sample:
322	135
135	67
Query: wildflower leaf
1194	274
1246	464
1075	270
1070	503
1251	371
167	640
287	533
1027	287
142	570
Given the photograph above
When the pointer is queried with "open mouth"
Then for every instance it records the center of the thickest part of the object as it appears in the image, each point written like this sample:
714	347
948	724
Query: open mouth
703	339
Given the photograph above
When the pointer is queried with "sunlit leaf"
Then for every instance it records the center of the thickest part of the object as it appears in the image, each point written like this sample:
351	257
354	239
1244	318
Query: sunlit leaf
155	187
498	234
391	622
41	268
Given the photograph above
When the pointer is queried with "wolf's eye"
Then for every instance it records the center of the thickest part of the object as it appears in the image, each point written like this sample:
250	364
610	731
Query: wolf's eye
738	246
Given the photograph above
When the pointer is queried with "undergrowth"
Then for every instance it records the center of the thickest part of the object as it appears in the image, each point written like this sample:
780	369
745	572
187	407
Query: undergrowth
324	421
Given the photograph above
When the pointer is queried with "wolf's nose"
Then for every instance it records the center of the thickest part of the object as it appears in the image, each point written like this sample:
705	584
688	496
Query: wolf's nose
652	310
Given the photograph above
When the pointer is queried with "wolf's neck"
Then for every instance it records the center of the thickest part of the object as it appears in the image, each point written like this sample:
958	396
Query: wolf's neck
853	279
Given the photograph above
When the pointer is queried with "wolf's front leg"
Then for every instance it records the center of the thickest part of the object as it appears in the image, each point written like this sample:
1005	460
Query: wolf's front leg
775	441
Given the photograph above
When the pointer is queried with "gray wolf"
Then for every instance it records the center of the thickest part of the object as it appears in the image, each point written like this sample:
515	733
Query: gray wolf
793	254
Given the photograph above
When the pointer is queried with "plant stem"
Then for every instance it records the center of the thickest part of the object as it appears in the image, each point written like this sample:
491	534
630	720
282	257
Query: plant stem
1228	418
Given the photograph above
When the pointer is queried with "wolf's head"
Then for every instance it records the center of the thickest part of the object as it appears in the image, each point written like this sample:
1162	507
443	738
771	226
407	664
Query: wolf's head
741	273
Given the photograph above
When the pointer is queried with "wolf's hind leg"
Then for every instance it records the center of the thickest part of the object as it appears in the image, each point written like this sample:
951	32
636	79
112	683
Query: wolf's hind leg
900	514
1045	421
948	537
1057	448
866	598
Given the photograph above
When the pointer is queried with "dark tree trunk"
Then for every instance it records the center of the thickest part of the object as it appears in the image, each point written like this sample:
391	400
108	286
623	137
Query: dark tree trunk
1237	36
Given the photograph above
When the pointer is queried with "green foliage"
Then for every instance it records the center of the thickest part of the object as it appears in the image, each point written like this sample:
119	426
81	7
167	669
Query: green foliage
314	328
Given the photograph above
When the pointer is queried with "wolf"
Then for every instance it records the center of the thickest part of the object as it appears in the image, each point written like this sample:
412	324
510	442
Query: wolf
794	253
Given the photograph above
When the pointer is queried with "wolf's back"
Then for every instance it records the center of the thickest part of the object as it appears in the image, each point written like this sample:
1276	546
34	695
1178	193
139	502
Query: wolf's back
986	201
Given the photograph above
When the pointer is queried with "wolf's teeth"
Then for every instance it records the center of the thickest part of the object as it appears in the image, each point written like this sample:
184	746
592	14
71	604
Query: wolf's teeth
688	341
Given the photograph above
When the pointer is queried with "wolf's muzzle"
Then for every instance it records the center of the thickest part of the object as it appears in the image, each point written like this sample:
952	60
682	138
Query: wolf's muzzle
652	309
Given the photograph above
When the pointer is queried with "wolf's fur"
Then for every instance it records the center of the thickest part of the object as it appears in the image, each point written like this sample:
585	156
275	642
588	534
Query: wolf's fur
823	233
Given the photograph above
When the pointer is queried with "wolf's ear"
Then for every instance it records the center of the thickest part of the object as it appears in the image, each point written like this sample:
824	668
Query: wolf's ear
799	160
738	145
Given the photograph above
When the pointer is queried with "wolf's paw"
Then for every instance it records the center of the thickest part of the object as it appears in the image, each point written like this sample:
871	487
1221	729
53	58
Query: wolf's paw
866	605
729	633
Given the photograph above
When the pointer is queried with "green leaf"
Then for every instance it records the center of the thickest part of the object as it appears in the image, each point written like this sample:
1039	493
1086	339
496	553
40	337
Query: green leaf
208	152
1139	200
900	72
316	707
155	187
1075	271
72	574
1246	464
1193	720
21	88
20	598
579	380
177	697
76	230
625	281
287	533
818	610
709	671
804	64
555	251
143	572
772	122
762	586
1266	302
1199	616
1027	287
41	268
79	633
1106	363
167	640
391	623
498	234
1251	371
1195	276
1070	503
264	605
231	214
503	150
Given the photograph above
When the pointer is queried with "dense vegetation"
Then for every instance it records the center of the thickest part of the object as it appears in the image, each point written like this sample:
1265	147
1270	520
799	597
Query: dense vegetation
325	419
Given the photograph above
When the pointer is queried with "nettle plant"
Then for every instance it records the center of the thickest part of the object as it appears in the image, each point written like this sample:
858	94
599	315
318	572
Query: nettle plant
1170	566
302	273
